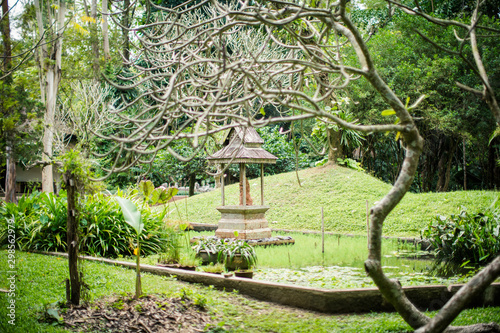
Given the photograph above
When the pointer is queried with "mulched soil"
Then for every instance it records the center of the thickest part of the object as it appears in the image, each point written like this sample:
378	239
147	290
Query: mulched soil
148	314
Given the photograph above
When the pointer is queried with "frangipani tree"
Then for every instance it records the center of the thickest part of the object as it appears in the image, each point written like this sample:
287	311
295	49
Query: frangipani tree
209	66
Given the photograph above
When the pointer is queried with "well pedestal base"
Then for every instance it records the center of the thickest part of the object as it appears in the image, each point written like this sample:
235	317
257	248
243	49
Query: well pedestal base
249	222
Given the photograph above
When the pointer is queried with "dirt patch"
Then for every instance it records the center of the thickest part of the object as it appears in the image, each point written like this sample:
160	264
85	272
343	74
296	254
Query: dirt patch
148	314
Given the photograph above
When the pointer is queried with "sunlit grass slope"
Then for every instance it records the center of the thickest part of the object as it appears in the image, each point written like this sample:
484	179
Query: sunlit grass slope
342	193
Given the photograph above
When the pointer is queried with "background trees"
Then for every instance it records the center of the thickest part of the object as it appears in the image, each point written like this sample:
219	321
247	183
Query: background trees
18	109
455	124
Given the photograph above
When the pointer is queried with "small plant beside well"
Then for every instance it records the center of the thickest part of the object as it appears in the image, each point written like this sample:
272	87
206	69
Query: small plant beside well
217	268
209	250
234	253
239	255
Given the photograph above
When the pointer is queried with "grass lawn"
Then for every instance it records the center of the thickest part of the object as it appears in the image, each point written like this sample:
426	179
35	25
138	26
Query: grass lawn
40	281
342	193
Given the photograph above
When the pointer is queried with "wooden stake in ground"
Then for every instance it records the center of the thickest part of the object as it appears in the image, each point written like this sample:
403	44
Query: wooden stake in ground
322	231
368	222
72	240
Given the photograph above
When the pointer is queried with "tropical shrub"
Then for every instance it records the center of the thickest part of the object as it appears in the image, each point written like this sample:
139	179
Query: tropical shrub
465	238
105	233
350	163
40	223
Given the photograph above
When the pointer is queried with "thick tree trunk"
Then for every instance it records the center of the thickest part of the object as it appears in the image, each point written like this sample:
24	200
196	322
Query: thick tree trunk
430	163
335	147
444	165
51	87
105	34
126	24
94	39
427	174
391	289
192	181
50	68
10	173
333	138
72	239
448	146
5	27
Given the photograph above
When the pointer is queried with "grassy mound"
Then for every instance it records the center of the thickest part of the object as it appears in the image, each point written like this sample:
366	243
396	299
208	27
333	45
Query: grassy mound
342	193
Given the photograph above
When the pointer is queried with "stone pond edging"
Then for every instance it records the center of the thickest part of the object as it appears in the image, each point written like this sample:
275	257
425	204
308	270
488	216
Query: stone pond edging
316	299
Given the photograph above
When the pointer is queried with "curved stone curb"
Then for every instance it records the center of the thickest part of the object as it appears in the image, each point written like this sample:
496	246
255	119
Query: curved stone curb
316	299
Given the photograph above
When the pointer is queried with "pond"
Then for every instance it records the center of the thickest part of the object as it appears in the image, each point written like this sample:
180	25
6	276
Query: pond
342	264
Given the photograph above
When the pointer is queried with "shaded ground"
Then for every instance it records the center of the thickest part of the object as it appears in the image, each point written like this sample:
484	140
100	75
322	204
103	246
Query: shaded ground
148	314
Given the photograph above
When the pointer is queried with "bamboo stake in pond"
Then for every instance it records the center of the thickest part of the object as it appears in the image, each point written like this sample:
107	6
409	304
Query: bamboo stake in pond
322	232
368	224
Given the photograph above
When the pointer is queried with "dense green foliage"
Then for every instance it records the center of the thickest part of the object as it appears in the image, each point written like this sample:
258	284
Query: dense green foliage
19	121
281	146
455	124
466	238
40	223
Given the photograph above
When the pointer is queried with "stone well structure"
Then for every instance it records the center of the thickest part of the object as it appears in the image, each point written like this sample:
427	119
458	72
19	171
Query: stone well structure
243	146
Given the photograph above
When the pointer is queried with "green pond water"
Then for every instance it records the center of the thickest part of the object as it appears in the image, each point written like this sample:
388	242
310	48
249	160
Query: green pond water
342	264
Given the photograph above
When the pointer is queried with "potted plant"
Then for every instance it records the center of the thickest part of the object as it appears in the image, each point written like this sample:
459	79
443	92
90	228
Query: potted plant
248	274
217	268
189	262
209	249
238	254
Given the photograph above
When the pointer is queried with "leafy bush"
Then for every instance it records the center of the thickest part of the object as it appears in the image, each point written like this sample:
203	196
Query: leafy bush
40	223
105	233
350	163
465	238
